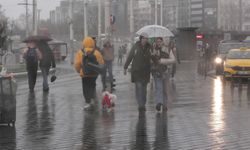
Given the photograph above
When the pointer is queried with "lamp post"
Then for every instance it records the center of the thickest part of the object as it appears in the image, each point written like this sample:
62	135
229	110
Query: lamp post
85	19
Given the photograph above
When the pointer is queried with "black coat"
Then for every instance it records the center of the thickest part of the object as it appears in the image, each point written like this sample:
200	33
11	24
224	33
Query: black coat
140	58
48	59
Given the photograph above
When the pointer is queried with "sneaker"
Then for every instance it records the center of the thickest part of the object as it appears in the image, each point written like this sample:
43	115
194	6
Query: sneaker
46	90
87	107
158	107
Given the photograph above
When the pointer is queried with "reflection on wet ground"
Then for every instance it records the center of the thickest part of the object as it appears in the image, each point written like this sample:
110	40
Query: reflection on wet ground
204	113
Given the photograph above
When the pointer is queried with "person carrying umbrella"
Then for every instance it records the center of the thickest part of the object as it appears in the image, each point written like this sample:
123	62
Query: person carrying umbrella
31	55
47	61
140	57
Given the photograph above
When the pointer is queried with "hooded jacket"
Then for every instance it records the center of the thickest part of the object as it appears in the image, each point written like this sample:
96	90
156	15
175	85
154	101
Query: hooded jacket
88	46
140	57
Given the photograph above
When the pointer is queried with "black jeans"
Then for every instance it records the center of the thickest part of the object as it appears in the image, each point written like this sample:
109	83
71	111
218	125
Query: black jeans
89	88
32	74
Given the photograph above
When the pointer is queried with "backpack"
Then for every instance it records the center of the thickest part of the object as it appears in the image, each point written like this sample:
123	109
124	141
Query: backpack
31	56
89	58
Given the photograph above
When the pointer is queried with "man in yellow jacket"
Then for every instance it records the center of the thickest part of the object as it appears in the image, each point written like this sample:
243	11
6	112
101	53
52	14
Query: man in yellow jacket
88	79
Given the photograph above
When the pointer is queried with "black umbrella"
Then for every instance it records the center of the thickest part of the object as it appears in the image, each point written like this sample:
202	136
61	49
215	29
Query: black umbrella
37	38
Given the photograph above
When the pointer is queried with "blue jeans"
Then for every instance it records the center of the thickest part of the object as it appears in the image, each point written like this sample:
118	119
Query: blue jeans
160	90
45	73
141	93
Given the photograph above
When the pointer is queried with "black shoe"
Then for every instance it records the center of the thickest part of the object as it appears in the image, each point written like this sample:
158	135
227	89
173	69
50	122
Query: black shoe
158	107
113	85
46	90
141	109
31	90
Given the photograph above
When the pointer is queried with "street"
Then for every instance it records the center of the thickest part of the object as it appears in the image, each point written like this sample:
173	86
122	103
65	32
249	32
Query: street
202	114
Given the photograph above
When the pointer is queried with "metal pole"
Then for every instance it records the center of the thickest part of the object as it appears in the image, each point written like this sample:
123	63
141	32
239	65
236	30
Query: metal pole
107	17
161	12
34	17
85	19
99	20
38	16
156	13
27	19
240	14
71	32
131	21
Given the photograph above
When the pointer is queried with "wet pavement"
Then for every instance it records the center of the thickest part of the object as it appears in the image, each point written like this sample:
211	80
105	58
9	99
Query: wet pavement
203	114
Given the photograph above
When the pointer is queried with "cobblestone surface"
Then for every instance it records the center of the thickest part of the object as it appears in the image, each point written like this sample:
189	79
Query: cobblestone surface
203	114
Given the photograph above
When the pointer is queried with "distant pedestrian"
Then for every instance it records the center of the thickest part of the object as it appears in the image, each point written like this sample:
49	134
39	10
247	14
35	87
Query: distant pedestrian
47	61
88	54
140	57
32	55
172	48
120	54
96	47
108	56
161	59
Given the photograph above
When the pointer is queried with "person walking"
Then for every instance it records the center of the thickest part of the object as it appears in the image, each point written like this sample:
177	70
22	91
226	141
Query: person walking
120	54
108	56
47	61
31	55
88	54
161	58
140	57
172	49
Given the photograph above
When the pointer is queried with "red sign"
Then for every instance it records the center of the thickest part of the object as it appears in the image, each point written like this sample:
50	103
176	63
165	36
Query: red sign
199	36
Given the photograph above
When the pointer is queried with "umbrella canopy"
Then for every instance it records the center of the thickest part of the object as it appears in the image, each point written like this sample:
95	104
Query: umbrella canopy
37	38
155	31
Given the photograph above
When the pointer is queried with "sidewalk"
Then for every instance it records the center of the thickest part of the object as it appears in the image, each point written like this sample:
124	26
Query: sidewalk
62	67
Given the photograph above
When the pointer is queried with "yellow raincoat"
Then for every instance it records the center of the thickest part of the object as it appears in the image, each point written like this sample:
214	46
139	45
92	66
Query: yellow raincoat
88	46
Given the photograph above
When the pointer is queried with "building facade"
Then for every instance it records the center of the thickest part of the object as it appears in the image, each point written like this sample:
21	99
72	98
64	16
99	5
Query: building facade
184	13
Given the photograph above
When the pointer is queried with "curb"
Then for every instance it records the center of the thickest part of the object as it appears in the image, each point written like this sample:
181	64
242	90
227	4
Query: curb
23	74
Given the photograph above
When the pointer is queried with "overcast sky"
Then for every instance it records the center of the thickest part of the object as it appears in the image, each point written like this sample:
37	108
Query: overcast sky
13	10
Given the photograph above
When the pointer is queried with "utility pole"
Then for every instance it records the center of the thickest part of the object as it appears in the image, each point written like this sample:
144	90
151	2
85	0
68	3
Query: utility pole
38	16
161	12
71	32
34	17
27	16
99	20
107	17
85	19
131	20
156	12
240	14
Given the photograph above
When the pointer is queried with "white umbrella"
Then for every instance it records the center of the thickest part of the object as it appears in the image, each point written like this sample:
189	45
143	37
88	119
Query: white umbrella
155	31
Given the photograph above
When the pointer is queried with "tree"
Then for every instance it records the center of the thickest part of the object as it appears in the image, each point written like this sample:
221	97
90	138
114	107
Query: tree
3	29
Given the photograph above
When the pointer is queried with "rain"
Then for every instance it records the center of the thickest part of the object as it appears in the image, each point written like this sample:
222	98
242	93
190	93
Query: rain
124	74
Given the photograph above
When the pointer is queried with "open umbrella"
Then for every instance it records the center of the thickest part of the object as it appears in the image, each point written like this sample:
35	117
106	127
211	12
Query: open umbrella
155	31
37	38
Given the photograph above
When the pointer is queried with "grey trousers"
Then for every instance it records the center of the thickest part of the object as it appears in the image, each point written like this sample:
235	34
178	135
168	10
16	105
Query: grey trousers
45	73
141	93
